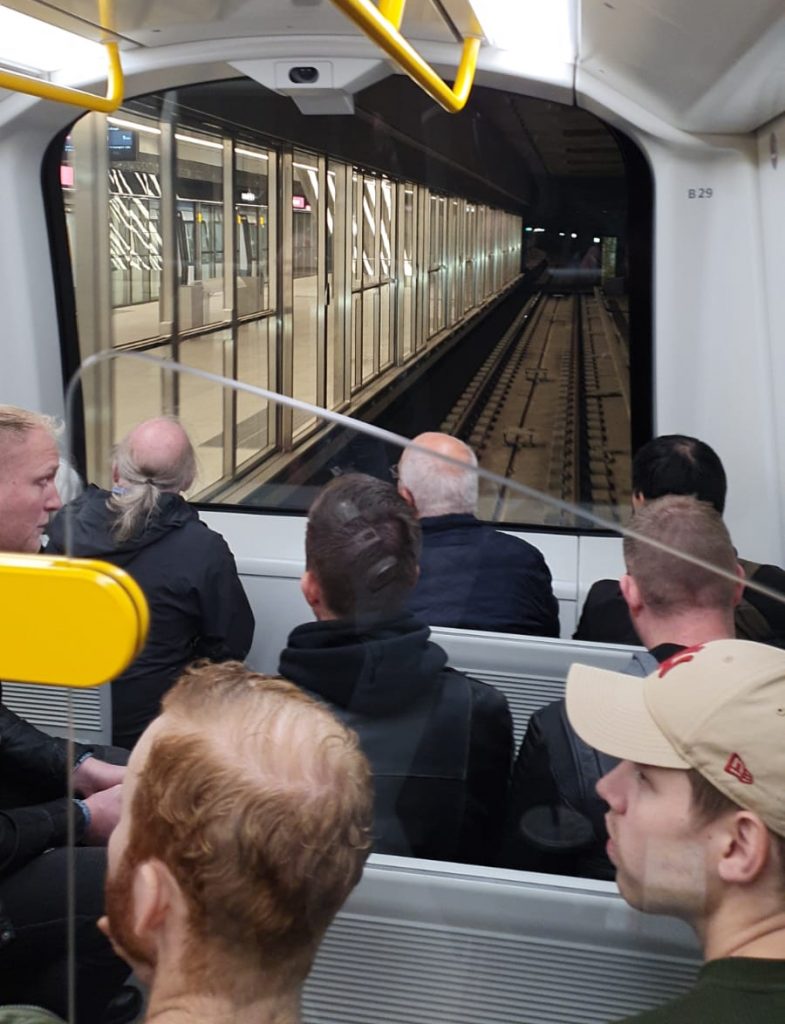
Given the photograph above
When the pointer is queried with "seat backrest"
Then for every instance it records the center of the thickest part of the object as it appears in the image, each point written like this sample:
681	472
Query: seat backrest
52	708
424	943
530	671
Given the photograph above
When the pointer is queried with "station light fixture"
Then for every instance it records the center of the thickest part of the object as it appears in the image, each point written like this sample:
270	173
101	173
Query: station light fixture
147	129
573	234
37	48
596	240
251	153
198	142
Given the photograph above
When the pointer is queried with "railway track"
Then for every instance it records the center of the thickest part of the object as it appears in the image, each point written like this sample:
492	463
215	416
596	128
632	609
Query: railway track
550	408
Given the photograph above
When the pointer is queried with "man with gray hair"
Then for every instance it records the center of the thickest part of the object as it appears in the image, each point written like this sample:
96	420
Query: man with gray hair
471	576
198	607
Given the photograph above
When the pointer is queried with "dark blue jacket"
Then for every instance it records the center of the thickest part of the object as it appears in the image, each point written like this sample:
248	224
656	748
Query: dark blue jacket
474	577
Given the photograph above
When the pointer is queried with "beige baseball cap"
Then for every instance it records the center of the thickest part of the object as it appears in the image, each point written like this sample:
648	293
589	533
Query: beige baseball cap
718	708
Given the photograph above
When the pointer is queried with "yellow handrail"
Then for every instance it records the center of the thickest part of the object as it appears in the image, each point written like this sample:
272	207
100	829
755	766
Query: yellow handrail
76	97
381	24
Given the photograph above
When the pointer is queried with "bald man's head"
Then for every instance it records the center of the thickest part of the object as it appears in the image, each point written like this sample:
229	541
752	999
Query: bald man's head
156	457
434	486
157	451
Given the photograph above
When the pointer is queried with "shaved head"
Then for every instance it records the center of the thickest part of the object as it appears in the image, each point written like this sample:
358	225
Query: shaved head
436	487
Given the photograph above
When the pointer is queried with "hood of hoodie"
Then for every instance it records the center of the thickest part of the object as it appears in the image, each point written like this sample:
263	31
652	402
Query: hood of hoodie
370	668
92	526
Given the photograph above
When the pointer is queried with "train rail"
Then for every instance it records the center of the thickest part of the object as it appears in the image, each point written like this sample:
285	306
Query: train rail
550	408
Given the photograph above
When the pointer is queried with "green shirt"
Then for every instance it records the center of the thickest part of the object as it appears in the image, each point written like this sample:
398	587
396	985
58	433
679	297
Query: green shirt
737	990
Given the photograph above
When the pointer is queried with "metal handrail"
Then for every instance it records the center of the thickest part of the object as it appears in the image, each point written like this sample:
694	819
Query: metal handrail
381	24
76	97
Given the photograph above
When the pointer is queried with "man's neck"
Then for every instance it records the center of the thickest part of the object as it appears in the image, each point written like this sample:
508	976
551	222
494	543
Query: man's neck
732	933
689	630
221	1009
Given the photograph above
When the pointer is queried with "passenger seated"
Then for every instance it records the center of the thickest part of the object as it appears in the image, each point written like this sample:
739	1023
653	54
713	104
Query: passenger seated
245	825
677	464
198	607
556	822
696	816
34	808
471	576
439	743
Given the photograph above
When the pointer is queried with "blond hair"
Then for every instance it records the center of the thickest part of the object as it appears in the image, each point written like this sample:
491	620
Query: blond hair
259	801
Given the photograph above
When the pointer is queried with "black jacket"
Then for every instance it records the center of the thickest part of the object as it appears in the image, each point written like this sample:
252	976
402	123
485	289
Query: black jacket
555	820
37	764
198	607
605	617
474	577
439	743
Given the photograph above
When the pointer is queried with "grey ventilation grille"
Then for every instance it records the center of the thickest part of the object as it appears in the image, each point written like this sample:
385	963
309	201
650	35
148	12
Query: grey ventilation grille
372	971
47	707
525	696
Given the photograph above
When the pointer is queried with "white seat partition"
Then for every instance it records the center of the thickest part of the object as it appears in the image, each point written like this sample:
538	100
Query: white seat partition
530	671
426	943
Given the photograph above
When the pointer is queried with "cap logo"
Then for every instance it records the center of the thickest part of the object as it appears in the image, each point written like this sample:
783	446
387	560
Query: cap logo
738	769
679	658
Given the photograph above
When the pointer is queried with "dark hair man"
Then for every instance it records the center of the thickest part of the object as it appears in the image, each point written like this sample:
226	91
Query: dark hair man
674	604
471	576
439	743
677	464
246	822
198	607
34	808
696	817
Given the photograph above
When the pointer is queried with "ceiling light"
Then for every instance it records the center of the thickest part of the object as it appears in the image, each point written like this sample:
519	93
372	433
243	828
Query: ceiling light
119	122
198	142
250	152
35	46
542	33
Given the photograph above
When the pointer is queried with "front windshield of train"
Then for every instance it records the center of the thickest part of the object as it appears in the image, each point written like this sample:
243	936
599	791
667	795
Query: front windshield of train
267	308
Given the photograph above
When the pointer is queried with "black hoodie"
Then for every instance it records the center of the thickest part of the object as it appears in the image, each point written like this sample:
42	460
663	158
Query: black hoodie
198	607
439	743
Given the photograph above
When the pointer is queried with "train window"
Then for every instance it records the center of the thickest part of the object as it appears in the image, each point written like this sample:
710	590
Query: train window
433	278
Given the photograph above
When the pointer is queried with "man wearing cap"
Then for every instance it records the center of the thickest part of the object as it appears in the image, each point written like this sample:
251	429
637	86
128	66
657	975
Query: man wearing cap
696	815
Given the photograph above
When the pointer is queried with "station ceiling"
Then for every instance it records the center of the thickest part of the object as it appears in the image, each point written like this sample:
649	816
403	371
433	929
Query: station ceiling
553	163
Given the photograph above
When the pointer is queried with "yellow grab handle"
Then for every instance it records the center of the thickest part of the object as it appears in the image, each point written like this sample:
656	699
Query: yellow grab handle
381	25
77	97
68	621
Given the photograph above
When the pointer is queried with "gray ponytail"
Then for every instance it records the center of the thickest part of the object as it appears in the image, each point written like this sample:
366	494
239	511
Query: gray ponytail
134	503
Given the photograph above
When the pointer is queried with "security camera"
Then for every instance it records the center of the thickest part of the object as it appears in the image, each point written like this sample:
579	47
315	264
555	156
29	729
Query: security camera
304	75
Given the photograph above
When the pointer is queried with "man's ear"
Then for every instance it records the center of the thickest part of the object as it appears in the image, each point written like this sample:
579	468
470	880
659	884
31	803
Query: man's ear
152	897
745	848
407	495
638	500
739	588
312	592
631	593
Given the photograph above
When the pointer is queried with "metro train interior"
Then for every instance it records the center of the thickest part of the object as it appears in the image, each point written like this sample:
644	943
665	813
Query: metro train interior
281	239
